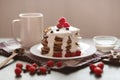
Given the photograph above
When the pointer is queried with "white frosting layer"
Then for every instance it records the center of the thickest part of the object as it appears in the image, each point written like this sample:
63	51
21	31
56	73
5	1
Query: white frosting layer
64	34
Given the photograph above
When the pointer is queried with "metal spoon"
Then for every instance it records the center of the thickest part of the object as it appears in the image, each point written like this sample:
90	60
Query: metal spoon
14	53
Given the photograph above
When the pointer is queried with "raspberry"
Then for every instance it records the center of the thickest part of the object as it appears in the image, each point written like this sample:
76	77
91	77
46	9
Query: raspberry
98	71
57	55
50	63
68	55
92	66
43	70
62	20
32	69
73	54
59	64
35	65
59	25
78	53
18	71
66	25
101	65
28	67
19	65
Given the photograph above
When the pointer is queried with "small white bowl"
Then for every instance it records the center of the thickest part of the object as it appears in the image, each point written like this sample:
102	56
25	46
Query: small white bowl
105	43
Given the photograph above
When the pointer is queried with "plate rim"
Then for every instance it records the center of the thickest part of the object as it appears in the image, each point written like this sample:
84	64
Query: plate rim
57	58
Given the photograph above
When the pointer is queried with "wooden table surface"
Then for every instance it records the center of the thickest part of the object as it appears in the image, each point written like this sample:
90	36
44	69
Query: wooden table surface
109	72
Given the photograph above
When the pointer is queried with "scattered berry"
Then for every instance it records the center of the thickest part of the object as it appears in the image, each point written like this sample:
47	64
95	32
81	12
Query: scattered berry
62	20
50	63
101	65
32	69
98	71
43	70
92	66
28	67
18	71
59	64
35	65
66	24
19	65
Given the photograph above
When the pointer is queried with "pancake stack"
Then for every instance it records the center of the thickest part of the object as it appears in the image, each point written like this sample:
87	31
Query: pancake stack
61	40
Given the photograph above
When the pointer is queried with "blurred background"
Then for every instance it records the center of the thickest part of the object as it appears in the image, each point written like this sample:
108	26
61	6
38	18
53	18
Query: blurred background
93	17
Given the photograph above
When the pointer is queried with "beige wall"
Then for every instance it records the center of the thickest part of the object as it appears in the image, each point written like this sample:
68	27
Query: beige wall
93	17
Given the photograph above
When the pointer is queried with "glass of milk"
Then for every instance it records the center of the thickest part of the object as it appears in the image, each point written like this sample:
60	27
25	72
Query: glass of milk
105	43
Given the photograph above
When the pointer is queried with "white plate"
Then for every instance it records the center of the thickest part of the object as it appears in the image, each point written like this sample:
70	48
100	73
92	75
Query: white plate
86	49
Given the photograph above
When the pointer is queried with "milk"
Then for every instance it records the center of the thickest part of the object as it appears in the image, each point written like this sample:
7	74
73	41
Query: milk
105	45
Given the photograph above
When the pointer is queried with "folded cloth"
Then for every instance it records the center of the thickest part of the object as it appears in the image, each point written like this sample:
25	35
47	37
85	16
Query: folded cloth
8	46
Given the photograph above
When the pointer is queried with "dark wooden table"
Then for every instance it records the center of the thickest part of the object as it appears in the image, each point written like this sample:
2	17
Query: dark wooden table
109	72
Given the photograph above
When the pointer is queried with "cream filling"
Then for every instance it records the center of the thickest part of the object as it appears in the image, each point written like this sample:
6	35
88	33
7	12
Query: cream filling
51	40
65	39
75	40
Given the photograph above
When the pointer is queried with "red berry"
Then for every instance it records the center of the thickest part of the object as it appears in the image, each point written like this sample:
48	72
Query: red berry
28	67
50	63
68	55
59	25
98	70
32	69
59	64
18	71
78	53
101	65
73	54
92	66
66	24
62	20
43	70
57	55
35	65
19	65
